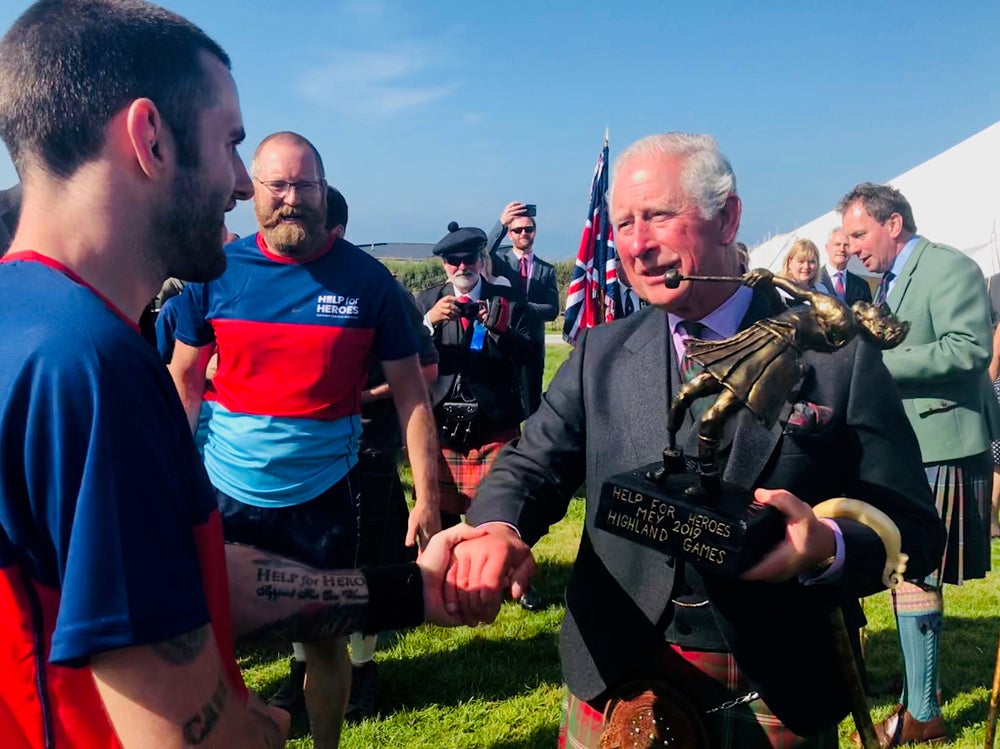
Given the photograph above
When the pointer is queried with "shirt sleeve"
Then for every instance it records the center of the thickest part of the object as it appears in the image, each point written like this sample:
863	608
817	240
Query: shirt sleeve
191	316
117	480
392	339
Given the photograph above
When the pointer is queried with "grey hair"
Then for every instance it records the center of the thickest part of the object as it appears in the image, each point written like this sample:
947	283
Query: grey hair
707	177
833	231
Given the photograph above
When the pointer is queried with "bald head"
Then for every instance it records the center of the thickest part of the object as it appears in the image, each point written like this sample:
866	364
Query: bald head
285	137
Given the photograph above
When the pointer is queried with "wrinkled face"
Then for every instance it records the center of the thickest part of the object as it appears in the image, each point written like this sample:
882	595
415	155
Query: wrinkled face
188	227
290	199
875	244
802	268
658	228
463	270
522	233
837	250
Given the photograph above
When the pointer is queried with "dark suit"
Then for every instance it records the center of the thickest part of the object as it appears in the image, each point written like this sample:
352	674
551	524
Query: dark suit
542	306
492	373
605	412
856	289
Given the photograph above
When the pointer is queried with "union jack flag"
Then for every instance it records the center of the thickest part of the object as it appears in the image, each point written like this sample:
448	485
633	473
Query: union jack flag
592	294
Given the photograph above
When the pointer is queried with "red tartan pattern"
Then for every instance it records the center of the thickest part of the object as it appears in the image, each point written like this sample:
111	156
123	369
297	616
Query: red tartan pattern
461	472
750	726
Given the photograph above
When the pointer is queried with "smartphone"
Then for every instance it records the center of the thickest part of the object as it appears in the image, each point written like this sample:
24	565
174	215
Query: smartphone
529	210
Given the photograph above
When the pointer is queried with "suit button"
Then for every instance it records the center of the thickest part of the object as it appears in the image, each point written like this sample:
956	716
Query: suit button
684	629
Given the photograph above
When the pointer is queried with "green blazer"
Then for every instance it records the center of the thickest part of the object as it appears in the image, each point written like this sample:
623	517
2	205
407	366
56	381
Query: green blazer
941	366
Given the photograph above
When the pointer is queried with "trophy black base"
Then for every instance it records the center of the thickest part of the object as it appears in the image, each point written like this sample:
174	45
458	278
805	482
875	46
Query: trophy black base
720	529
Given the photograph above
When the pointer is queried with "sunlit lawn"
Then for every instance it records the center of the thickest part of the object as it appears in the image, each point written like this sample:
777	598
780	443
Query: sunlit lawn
499	685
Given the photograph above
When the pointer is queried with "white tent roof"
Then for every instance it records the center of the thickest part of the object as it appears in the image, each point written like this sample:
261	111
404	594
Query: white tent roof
955	198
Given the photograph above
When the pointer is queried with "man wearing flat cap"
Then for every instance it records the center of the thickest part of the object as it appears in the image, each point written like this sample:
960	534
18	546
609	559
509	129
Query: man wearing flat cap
478	329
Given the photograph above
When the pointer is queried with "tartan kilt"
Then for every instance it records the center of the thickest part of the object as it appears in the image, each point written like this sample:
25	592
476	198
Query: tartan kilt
384	513
961	492
460	471
747	726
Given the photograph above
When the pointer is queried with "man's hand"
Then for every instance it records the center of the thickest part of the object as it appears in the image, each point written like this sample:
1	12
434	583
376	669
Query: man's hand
423	523
434	561
269	715
482	569
808	540
446	308
512	211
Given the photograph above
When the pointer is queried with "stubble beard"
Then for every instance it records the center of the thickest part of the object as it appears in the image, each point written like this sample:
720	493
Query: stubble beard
186	240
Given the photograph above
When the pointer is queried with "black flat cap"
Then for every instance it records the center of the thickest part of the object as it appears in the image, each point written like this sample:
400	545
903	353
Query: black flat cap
461	240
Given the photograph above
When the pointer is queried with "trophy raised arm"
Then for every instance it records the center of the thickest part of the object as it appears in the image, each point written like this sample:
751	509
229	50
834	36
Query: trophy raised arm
689	511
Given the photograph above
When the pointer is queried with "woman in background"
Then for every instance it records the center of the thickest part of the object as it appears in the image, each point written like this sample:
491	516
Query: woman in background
801	266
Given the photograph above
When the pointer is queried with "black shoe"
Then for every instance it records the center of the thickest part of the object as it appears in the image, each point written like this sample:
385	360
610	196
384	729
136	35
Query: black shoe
290	696
364	688
531	600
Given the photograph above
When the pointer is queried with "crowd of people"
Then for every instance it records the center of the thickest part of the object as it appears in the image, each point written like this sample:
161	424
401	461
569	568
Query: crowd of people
133	560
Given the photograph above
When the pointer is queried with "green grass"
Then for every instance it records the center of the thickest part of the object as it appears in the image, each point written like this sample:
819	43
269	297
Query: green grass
499	685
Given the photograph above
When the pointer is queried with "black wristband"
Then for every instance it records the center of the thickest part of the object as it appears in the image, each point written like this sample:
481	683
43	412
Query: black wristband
395	597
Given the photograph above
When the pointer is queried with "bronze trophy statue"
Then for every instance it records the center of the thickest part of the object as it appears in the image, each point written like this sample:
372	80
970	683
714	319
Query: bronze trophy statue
693	514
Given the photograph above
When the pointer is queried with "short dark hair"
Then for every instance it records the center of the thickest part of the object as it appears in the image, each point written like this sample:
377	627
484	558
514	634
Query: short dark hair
68	66
336	209
880	202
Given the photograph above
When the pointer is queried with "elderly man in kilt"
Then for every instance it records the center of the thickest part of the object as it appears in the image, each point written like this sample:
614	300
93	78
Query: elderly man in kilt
941	374
479	331
747	662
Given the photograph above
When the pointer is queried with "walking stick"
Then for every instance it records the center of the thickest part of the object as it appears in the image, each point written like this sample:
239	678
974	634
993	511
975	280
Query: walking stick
895	567
991	718
855	689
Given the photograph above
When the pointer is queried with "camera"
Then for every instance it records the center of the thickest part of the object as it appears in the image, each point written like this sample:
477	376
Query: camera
468	310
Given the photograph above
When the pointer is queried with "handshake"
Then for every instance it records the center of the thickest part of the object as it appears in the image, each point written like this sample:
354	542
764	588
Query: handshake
466	572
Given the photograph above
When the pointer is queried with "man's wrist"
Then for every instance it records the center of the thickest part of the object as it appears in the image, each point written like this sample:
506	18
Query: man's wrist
395	597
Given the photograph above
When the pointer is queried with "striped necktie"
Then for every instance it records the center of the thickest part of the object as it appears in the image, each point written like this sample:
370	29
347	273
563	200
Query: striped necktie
883	287
689	367
839	285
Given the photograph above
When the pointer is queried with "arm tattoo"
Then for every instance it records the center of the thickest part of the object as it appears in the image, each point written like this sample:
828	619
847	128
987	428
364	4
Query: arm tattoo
327	603
182	649
198	727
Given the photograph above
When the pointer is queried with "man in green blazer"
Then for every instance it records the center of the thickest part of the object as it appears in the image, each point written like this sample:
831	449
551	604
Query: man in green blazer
940	370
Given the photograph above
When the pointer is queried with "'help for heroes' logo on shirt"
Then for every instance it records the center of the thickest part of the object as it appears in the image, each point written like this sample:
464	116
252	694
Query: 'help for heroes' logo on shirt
335	305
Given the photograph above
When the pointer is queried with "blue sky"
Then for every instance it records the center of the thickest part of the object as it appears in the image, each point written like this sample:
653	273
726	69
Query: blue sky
427	112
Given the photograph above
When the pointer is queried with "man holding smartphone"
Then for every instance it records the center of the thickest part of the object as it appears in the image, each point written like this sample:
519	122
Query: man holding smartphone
535	279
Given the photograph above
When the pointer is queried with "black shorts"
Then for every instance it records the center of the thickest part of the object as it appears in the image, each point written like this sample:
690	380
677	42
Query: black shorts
322	532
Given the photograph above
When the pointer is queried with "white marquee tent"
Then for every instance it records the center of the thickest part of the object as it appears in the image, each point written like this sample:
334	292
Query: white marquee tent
955	198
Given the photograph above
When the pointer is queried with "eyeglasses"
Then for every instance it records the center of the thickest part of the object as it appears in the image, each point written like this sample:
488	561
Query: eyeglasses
280	188
521	229
457	260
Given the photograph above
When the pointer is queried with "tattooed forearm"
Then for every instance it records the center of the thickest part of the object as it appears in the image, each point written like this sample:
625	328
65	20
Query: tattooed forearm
182	649
198	727
289	601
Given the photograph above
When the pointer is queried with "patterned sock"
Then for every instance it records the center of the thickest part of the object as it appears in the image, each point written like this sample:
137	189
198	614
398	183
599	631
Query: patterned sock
919	615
